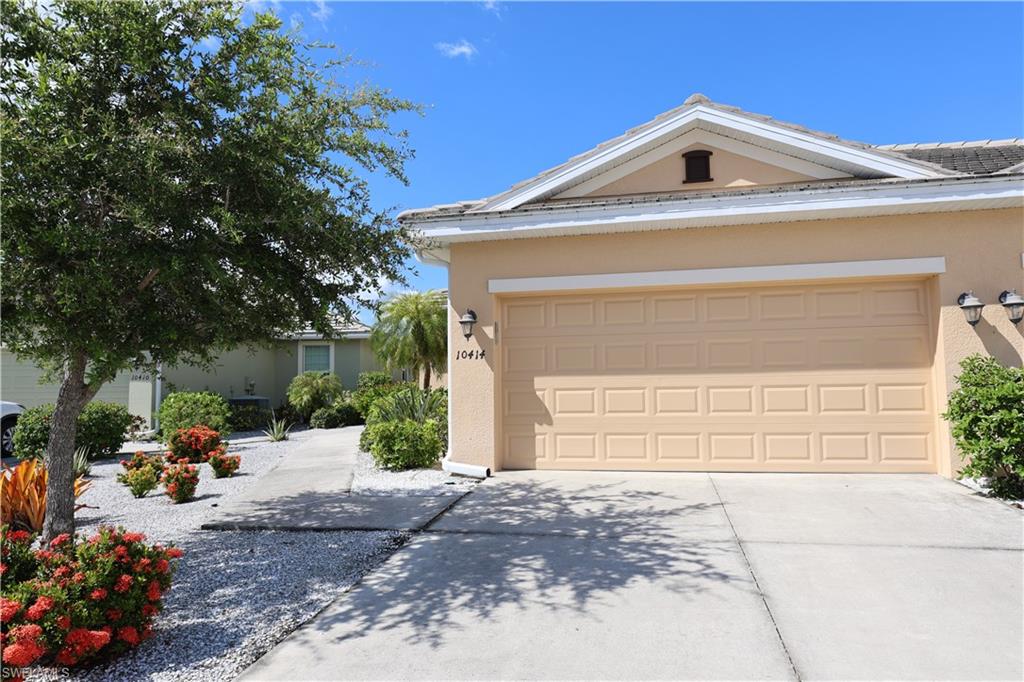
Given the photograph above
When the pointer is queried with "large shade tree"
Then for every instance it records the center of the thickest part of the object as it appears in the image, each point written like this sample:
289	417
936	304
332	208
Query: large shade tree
412	333
178	179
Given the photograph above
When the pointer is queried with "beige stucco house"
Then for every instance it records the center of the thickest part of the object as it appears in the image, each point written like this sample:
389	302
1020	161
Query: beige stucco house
716	290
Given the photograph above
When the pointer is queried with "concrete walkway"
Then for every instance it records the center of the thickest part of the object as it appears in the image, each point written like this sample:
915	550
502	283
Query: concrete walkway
309	490
685	576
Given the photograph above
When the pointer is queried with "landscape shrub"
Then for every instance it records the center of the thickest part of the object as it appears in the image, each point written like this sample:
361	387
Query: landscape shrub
140	460
285	412
184	410
77	599
986	412
224	465
278	429
140	482
101	428
371	387
248	417
405	444
410	402
195	444
339	413
180	480
310	391
23	495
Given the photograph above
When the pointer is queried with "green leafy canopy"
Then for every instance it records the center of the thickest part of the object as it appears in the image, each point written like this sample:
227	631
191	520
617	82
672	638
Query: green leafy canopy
177	180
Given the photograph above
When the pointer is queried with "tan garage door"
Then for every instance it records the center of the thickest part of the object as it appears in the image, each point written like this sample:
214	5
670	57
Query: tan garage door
783	378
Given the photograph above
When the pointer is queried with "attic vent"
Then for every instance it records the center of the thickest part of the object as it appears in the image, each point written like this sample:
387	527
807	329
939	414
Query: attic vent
697	165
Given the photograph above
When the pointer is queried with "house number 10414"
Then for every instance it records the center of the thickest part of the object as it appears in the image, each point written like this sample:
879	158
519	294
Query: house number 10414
470	354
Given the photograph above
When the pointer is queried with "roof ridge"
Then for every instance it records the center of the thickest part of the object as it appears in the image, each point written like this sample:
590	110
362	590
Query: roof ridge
1006	142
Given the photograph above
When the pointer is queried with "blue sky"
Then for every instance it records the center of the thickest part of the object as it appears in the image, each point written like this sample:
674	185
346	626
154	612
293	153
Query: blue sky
513	88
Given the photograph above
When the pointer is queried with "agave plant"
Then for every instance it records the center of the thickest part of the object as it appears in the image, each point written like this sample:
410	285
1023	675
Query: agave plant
82	465
23	495
277	429
413	403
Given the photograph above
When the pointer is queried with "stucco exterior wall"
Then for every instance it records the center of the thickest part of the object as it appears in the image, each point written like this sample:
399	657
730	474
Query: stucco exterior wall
19	383
271	368
727	170
982	251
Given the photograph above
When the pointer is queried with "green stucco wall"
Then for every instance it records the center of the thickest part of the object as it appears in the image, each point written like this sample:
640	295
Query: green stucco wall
19	383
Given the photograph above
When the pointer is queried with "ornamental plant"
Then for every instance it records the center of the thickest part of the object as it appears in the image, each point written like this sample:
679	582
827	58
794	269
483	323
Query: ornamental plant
195	444
23	494
180	481
986	413
224	465
140	482
75	599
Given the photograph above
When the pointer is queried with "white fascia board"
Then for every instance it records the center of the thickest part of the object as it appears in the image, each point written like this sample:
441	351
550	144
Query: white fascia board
895	267
702	137
751	209
794	140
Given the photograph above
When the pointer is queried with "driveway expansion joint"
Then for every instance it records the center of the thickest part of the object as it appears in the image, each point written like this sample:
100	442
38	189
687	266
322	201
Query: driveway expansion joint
753	577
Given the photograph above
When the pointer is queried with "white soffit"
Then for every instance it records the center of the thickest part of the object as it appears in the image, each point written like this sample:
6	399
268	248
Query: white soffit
853	160
895	267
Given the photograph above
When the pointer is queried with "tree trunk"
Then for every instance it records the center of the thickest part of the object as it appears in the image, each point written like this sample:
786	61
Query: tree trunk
60	449
426	378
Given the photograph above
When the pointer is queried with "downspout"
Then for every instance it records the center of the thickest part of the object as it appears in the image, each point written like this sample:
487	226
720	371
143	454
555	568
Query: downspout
447	463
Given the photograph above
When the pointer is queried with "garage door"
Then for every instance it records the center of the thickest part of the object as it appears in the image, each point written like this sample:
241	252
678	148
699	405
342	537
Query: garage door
784	378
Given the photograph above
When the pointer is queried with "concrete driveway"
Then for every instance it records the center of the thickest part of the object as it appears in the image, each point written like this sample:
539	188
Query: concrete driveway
685	576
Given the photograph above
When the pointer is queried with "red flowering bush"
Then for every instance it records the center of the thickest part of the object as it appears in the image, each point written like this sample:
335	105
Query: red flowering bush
17	562
75	599
140	460
180	481
195	444
223	464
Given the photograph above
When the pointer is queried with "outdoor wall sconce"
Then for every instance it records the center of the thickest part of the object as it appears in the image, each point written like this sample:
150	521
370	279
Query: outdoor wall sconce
467	321
971	305
1014	304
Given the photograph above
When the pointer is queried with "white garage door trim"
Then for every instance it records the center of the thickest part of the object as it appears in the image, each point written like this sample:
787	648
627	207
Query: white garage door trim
894	267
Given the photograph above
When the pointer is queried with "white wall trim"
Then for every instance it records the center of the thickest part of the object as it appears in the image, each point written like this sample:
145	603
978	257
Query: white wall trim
701	137
740	275
322	342
843	201
810	147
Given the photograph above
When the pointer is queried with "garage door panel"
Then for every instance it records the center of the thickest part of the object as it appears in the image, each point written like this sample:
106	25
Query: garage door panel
798	378
778	307
770	351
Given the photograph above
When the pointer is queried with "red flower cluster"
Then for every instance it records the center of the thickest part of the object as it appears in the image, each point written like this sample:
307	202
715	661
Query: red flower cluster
195	444
223	464
180	481
81	597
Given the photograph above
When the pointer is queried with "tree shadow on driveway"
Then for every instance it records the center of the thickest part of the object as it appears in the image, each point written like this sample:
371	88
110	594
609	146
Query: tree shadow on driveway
536	547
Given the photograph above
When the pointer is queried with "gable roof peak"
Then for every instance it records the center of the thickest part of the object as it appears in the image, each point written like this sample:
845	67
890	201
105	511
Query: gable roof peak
696	98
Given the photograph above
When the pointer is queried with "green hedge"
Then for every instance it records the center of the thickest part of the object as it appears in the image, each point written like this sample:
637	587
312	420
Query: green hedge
340	413
184	410
371	387
986	412
405	444
101	428
248	417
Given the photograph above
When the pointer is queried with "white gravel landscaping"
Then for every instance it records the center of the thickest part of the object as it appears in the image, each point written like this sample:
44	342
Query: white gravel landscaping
236	593
369	480
110	503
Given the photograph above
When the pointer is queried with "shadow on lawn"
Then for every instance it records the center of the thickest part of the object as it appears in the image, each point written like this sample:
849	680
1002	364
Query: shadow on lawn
530	545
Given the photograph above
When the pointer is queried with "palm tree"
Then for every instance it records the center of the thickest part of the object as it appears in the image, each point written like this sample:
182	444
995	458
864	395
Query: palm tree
412	332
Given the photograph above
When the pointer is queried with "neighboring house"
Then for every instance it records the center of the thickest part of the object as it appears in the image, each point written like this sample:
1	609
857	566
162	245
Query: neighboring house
716	290
263	372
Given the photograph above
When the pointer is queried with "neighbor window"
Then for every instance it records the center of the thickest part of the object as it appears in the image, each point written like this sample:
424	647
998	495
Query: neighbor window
316	358
697	165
